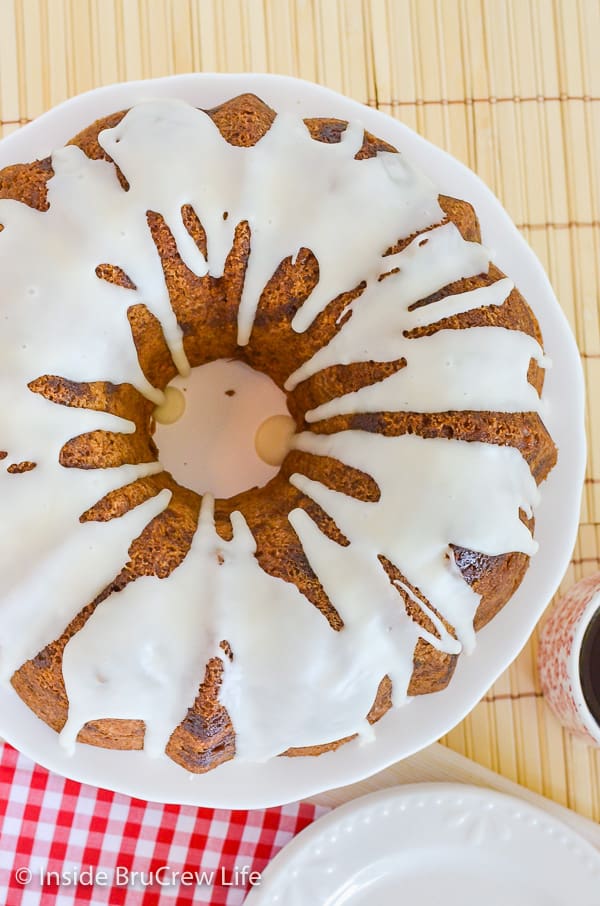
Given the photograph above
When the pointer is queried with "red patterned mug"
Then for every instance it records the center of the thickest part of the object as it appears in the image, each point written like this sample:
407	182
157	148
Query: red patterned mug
569	660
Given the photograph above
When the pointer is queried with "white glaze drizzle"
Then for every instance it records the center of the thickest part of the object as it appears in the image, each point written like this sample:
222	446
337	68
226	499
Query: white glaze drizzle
285	653
428	501
482	369
293	191
38	609
293	681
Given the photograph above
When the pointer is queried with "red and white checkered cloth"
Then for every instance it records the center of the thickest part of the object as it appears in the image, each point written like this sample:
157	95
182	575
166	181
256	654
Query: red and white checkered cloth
49	825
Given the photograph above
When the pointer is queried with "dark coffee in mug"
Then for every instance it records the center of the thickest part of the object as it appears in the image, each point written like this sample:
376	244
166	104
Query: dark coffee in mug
589	667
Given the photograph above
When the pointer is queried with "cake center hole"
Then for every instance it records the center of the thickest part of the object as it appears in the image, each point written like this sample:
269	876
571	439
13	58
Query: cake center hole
223	429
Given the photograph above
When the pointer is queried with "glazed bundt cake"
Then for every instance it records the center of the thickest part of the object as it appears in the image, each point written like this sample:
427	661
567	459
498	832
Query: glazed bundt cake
138	613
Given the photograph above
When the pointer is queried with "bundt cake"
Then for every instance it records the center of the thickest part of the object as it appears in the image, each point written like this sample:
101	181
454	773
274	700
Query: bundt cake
138	613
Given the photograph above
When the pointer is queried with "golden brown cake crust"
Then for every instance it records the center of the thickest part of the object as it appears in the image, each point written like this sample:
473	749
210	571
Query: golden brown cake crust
206	309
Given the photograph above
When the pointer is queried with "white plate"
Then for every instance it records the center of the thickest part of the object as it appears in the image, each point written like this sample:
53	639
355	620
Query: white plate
406	730
427	844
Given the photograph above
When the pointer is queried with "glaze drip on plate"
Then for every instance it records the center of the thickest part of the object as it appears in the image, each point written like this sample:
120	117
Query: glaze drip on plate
291	680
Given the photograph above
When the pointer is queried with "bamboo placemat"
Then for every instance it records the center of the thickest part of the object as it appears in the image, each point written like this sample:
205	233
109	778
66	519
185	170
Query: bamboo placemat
511	87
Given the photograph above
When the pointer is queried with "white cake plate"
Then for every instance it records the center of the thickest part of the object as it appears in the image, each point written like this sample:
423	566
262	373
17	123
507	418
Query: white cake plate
406	730
433	843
